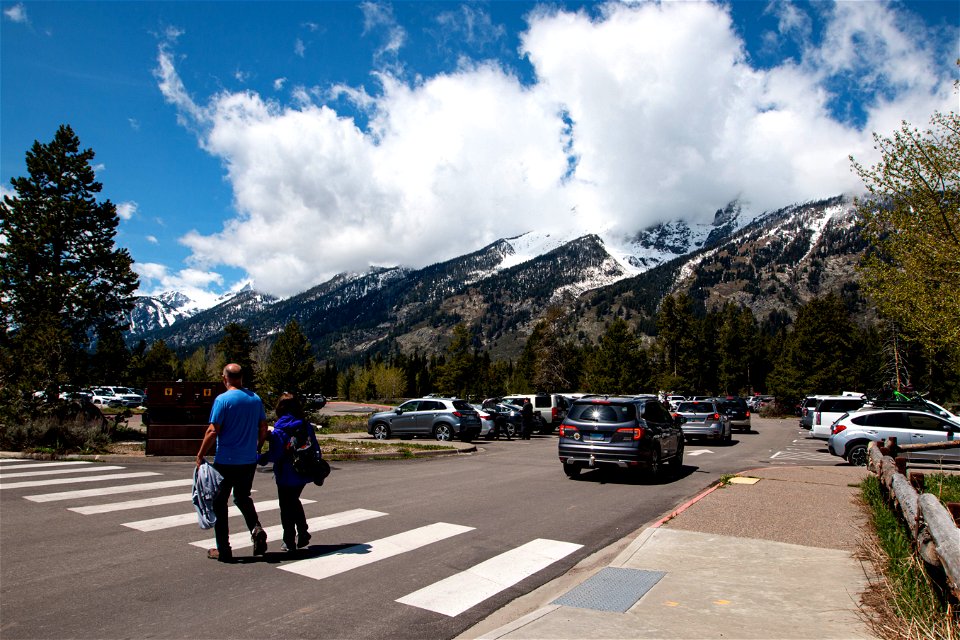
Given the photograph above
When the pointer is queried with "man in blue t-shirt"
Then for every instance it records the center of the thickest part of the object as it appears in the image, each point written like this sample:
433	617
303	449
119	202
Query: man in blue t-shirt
238	424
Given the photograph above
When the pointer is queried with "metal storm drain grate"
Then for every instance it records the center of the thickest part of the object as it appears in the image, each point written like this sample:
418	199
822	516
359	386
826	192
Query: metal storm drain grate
611	589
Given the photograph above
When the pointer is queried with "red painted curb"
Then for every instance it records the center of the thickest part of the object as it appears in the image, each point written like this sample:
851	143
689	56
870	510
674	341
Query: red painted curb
684	506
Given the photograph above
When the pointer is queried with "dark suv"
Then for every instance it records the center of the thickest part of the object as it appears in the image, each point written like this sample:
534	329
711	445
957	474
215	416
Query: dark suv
631	433
737	412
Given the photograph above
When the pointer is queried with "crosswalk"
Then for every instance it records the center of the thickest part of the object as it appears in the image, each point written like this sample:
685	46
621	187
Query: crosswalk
450	596
805	450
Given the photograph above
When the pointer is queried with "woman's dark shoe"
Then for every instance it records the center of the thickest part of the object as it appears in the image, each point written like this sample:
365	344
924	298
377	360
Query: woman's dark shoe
303	539
259	537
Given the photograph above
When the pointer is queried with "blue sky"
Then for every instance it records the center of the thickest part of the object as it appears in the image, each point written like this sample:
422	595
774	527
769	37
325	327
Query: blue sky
284	142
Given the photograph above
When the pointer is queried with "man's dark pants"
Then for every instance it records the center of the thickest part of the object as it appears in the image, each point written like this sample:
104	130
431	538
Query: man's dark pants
239	479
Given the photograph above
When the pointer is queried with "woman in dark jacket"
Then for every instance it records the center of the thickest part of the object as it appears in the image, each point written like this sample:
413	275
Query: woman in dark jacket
290	431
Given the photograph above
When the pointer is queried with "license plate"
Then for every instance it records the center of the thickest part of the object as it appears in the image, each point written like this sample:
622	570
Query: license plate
596	436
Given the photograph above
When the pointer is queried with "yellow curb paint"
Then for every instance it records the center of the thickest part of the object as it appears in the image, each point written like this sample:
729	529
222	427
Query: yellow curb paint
743	480
671	603
721	602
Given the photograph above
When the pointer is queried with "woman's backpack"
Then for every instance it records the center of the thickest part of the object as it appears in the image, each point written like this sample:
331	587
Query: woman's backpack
308	459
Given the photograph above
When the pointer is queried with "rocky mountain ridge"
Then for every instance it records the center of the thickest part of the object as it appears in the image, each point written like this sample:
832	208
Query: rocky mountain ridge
771	263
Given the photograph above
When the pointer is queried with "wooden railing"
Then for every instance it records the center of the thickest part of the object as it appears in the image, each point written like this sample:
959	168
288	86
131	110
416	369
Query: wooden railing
931	524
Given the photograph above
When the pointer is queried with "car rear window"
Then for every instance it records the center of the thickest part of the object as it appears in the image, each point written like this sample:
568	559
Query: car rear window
603	413
462	405
541	401
695	407
840	405
734	404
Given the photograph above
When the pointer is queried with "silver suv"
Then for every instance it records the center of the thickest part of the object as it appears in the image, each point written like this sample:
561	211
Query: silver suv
440	418
854	431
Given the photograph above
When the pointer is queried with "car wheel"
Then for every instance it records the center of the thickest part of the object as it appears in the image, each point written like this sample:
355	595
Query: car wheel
857	455
572	470
443	432
381	431
511	430
653	467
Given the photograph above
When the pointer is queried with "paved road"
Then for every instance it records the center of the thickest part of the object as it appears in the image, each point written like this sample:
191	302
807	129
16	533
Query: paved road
409	549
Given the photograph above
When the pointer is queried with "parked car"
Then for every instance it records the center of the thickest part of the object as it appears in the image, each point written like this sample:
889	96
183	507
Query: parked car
758	402
126	395
737	412
105	398
852	433
807	408
673	401
551	407
487	422
830	408
506	417
703	419
440	418
620	432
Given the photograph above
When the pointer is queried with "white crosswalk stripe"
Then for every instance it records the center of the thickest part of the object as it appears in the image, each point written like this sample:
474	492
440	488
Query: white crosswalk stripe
454	595
107	491
48	483
133	504
357	556
179	520
241	540
56	472
38	465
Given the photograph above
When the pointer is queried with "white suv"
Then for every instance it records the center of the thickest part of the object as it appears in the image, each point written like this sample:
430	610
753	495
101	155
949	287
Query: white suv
552	407
830	408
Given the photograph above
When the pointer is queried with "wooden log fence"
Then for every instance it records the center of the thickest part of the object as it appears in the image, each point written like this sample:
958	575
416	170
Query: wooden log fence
931	525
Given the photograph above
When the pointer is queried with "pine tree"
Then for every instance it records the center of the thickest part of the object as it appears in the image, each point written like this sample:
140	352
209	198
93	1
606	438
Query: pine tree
61	278
290	365
237	346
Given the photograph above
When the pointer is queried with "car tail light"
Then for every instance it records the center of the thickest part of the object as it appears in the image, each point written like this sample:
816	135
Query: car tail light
837	428
675	415
566	431
748	414
458	414
716	416
636	433
553	414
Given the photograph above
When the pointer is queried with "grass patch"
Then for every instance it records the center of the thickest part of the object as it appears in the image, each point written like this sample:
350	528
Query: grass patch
339	424
334	449
903	599
944	486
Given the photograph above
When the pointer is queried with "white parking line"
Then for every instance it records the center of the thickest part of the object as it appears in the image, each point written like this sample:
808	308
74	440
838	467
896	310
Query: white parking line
460	592
47	483
108	491
241	540
359	555
55	472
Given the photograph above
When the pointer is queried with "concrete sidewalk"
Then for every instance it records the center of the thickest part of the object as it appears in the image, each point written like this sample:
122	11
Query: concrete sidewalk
766	559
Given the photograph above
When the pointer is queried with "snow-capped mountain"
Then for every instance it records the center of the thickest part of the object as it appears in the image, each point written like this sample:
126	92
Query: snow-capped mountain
776	260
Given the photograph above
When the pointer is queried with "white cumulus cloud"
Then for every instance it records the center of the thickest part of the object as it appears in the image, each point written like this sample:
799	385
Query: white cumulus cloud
649	112
125	210
17	13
